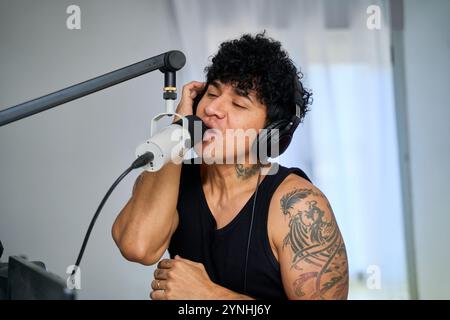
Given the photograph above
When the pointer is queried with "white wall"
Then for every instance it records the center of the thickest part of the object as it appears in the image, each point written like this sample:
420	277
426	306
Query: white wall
427	61
56	166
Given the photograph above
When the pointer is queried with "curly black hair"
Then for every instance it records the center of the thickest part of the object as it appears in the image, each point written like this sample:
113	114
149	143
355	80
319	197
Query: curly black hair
259	63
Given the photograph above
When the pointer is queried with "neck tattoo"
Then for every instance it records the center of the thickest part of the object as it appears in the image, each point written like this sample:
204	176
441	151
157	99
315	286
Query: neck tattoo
246	172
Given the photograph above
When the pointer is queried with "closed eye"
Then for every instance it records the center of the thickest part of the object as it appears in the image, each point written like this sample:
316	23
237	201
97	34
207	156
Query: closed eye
211	95
239	106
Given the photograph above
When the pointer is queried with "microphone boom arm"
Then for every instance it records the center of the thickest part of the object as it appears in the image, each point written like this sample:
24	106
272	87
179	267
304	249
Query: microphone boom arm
168	63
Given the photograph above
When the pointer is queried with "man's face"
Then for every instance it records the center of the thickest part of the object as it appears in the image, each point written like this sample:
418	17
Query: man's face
235	118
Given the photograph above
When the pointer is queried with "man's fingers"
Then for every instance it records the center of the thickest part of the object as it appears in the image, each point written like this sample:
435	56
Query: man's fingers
165	264
194	85
193	88
160	274
190	91
198	87
158	295
159	285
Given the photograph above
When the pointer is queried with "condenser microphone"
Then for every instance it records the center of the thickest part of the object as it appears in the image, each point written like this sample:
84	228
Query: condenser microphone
172	142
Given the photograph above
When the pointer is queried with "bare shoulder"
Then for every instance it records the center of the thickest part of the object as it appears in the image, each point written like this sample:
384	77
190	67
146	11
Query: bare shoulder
307	241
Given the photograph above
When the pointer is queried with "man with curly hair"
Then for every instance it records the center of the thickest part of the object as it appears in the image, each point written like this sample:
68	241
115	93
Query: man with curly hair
226	238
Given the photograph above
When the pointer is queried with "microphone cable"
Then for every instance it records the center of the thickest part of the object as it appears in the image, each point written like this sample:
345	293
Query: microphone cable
138	163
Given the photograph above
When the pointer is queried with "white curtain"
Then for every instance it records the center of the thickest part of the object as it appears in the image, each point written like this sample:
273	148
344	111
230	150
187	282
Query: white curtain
347	144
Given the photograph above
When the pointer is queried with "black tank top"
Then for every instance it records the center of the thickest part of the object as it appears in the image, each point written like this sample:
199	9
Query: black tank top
223	251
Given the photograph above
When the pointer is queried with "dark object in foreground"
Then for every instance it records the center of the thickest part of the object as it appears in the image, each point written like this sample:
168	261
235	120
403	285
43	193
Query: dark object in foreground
21	279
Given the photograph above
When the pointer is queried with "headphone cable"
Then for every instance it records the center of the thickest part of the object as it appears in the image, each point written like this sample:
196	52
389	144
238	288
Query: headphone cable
250	231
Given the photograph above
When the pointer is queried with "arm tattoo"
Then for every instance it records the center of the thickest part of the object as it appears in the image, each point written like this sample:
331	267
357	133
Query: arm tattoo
315	241
245	173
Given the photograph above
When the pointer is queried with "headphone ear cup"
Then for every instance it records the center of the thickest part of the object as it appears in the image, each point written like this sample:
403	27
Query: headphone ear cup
269	137
288	133
283	142
263	142
281	139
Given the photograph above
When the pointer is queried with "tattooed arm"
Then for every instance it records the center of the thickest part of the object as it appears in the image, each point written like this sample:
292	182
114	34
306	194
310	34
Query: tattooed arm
308	243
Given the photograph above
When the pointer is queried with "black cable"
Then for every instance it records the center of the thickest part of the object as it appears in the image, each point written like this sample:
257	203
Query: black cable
139	162
250	231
